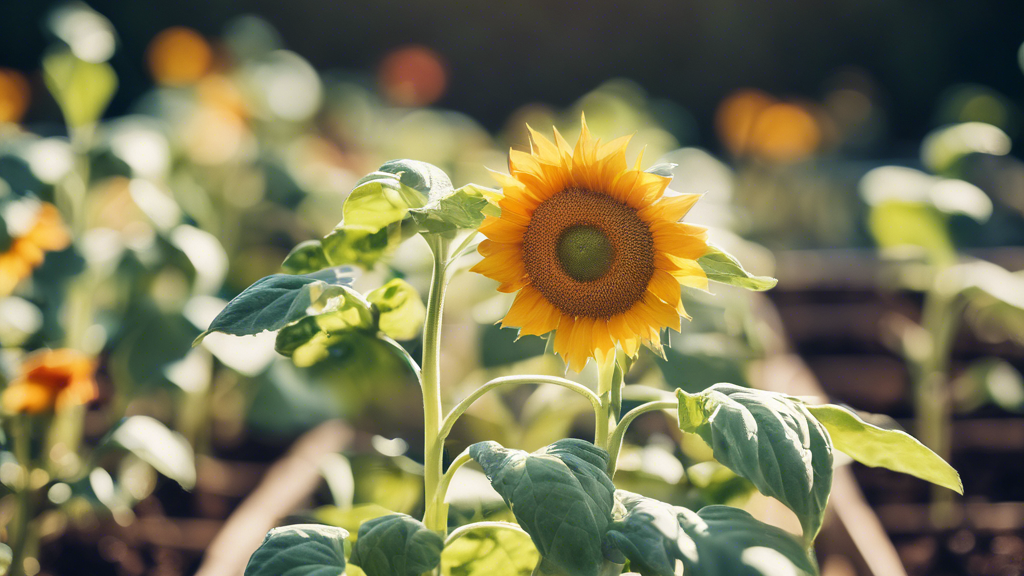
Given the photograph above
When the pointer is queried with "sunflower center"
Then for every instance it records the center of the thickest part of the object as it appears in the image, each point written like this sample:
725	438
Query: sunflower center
585	253
588	254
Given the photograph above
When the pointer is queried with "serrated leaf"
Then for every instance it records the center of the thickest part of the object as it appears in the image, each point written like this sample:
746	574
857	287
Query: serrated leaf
275	301
349	245
768	438
82	89
559	494
396	545
305	258
401	310
162	448
717	541
300	550
878	447
490	552
722	267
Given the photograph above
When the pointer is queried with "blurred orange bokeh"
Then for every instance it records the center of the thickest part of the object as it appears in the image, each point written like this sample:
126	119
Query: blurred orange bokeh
753	123
14	95
413	76
49	380
27	251
178	56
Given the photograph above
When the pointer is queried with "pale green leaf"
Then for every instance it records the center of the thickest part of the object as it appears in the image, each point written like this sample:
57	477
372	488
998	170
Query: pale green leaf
768	438
717	541
165	450
396	545
490	552
401	310
300	550
722	267
82	89
560	494
305	258
378	200
878	447
344	310
353	245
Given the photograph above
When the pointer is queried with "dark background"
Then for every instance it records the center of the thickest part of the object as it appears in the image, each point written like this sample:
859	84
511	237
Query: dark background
502	55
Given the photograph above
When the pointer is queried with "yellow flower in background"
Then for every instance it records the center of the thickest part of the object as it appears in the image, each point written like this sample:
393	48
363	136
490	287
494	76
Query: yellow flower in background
51	380
28	250
593	246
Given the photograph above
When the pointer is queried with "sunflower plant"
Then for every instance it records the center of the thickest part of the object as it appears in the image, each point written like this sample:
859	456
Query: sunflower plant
596	254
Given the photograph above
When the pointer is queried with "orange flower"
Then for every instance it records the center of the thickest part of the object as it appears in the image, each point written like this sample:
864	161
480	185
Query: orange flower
27	251
51	380
594	248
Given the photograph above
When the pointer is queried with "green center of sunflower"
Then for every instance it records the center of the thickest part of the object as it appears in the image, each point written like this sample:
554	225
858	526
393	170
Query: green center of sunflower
585	253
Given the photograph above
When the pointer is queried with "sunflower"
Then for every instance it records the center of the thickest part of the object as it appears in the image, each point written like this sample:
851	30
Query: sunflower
49	380
594	248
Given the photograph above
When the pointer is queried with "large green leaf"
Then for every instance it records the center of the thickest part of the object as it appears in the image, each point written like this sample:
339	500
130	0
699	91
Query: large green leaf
275	301
82	89
300	550
717	541
352	245
396	545
560	495
401	309
878	447
722	267
768	438
490	552
380	199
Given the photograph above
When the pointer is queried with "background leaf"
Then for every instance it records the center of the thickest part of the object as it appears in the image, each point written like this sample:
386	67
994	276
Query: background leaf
722	267
167	451
401	309
300	550
769	439
396	545
82	89
717	541
560	495
878	447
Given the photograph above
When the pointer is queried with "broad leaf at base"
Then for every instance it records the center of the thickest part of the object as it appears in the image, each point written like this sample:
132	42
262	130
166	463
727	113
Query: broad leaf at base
300	550
396	545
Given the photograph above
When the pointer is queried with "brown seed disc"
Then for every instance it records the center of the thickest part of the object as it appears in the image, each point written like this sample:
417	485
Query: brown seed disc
567	256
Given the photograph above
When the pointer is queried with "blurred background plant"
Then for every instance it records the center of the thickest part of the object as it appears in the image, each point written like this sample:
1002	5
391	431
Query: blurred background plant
149	173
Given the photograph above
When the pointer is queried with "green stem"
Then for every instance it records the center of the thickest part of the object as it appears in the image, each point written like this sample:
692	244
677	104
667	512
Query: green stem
446	480
20	537
433	448
463	530
620	429
605	415
510	381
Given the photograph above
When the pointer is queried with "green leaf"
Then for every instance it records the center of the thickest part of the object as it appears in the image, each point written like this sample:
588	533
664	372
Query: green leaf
305	258
895	224
396	545
343	311
560	495
82	89
300	550
163	449
275	301
768	438
352	245
379	199
722	267
425	178
878	447
717	541
464	208
490	552
401	310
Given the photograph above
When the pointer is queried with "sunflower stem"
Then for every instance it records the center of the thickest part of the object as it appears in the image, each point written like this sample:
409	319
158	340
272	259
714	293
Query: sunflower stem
435	517
606	412
615	443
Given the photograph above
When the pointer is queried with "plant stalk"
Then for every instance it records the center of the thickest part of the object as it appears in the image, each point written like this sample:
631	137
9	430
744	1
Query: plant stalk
20	536
605	413
433	449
